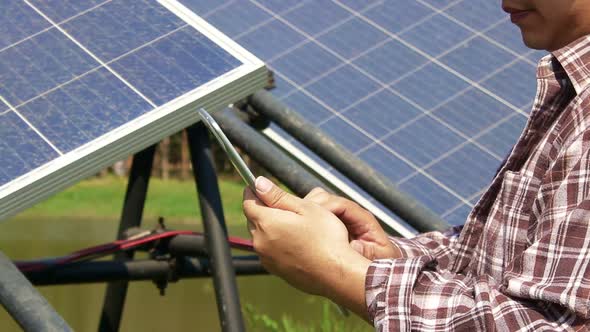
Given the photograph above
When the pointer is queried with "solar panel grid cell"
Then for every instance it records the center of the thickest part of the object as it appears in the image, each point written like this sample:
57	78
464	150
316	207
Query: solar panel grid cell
118	27
308	107
400	61
19	22
370	116
502	135
21	149
426	83
316	16
239	16
473	111
61	10
429	193
39	64
305	63
465	169
84	109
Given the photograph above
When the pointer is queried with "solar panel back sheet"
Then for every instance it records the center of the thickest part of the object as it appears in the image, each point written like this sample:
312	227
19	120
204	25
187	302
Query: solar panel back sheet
86	83
431	93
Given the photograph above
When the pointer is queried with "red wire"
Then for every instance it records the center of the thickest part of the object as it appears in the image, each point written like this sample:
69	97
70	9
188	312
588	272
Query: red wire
119	245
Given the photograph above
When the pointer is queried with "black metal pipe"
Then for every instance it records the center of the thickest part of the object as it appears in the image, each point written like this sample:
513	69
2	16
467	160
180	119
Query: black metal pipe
226	289
112	309
373	182
276	161
273	159
188	245
139	270
24	303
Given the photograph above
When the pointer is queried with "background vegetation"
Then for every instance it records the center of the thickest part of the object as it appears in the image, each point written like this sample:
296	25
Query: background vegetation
87	214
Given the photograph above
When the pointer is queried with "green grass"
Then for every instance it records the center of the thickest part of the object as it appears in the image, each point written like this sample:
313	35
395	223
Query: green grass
330	321
103	198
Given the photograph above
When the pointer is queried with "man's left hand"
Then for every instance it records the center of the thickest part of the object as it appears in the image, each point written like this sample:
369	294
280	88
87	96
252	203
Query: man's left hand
305	244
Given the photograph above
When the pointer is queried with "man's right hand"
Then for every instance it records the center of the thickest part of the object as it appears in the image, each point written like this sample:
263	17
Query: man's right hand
365	234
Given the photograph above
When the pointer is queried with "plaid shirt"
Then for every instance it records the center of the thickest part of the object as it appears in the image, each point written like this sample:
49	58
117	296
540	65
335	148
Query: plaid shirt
522	260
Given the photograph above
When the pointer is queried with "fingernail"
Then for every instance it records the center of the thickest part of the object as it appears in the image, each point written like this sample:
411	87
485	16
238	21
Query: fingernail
263	184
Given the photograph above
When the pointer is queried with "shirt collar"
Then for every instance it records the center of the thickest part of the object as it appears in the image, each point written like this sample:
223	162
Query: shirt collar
574	60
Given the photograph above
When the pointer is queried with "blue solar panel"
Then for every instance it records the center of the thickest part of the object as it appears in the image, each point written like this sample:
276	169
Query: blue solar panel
422	140
474	112
84	109
175	65
500	137
352	37
61	10
422	90
84	83
478	14
371	117
399	58
306	16
485	59
394	19
306	63
343	87
19	22
514	84
118	27
274	41
422	35
21	148
39	64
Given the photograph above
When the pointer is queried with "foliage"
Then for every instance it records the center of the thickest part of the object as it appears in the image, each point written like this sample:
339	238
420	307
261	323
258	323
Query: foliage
102	197
331	321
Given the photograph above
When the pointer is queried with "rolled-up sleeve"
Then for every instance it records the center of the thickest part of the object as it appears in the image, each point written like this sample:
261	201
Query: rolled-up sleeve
541	276
419	293
389	282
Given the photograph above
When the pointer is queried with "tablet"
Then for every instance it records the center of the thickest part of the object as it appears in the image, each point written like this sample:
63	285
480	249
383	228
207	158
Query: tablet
226	145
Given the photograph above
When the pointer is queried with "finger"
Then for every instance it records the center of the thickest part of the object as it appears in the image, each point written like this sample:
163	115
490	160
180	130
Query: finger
274	197
365	249
259	214
355	217
252	205
248	194
251	227
315	192
250	201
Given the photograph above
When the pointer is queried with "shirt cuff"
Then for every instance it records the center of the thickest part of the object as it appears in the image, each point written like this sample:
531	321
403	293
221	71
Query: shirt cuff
423	244
388	291
408	247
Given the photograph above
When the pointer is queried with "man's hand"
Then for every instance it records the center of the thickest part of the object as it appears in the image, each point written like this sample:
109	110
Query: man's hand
365	234
306	245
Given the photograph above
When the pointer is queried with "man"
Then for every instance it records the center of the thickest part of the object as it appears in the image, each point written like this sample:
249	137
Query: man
522	260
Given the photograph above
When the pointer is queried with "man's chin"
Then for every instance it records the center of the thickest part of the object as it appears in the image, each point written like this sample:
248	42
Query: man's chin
534	42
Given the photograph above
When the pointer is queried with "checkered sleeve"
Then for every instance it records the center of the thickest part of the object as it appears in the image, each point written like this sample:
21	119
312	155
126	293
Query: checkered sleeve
426	242
411	294
545	287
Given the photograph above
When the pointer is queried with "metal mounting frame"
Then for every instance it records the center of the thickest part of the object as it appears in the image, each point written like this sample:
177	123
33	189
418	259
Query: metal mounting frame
222	270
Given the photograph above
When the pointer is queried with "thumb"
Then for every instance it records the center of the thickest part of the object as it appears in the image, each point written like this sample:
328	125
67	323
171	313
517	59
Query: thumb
274	197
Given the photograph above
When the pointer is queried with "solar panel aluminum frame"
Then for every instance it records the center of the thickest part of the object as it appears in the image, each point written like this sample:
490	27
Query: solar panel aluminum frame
143	131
